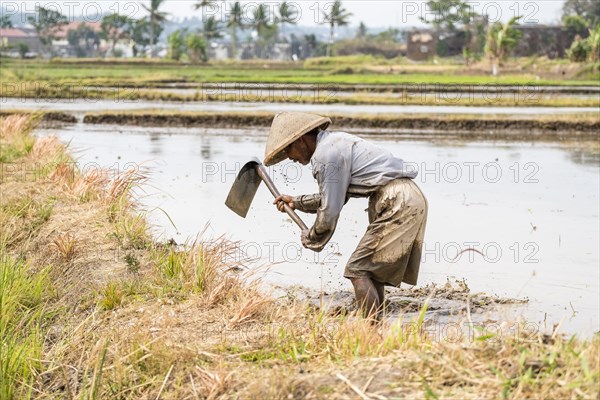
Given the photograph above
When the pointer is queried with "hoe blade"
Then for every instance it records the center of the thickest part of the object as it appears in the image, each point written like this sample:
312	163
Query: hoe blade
244	188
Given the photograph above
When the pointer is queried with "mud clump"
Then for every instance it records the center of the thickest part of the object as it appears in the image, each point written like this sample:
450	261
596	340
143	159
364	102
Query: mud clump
451	298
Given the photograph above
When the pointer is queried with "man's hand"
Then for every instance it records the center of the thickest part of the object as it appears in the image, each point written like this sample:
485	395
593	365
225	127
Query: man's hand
304	237
284	199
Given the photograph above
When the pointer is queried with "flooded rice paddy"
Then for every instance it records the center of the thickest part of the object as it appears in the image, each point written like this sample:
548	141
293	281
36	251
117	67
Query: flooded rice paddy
441	94
532	211
93	105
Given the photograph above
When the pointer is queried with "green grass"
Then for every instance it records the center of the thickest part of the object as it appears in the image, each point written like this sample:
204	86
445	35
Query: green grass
183	269
84	74
132	231
22	217
9	152
111	296
22	320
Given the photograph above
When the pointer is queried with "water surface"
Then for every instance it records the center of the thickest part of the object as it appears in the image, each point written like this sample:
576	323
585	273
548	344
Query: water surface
532	209
94	105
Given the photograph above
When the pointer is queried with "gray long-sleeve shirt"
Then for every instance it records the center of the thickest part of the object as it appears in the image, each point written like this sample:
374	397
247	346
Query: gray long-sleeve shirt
344	166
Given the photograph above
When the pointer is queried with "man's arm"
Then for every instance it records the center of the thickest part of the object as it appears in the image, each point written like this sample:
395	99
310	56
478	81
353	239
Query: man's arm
308	203
333	177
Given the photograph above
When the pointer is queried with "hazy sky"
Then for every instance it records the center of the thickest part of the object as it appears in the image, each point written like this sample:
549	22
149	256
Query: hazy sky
374	13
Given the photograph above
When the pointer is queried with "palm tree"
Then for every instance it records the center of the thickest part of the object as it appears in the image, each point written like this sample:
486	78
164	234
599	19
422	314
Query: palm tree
234	23
196	48
202	4
264	29
501	39
156	18
115	27
211	29
177	43
594	42
337	16
287	15
47	23
260	20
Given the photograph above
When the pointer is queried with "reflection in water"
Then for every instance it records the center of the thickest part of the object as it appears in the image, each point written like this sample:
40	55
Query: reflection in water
205	148
584	153
155	143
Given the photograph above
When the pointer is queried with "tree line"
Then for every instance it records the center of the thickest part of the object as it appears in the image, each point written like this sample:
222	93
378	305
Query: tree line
581	18
266	29
144	32
495	41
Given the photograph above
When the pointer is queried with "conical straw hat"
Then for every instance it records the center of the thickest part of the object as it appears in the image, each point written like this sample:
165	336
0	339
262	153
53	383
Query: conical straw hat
286	128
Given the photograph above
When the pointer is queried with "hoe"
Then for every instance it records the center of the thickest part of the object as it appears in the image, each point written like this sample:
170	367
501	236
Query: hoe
245	186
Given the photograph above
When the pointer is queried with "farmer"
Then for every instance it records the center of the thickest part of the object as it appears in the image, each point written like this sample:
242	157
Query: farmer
346	166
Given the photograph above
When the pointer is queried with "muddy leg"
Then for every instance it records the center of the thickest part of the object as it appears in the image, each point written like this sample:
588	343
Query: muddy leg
366	297
380	287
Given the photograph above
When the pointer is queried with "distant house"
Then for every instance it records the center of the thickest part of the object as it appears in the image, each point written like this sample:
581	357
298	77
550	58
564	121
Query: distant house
543	40
61	33
274	51
91	46
421	45
537	40
218	51
62	46
10	38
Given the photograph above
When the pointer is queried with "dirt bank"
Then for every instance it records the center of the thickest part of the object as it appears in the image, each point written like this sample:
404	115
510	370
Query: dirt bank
48	117
466	127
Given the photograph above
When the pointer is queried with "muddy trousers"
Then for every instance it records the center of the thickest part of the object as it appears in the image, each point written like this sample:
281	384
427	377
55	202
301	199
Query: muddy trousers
390	251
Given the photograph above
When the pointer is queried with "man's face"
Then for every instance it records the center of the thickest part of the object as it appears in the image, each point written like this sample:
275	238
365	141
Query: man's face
299	151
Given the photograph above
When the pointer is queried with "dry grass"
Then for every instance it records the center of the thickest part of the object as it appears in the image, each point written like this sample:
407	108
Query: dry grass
13	142
16	127
213	384
103	311
48	148
66	246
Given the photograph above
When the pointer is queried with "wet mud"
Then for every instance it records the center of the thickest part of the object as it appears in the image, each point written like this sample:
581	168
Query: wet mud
454	298
468	128
461	127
